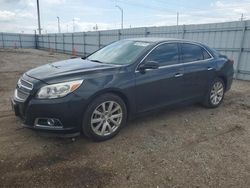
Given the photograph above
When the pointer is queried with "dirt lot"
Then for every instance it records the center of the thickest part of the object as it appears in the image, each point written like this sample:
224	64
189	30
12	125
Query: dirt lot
185	147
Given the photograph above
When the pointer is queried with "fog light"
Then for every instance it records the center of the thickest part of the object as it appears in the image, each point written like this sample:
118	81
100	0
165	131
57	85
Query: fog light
51	122
48	123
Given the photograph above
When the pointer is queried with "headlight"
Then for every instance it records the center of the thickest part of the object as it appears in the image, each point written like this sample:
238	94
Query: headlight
58	90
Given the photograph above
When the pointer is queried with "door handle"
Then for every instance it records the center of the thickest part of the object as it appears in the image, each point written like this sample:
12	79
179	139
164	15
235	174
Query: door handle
210	68
178	75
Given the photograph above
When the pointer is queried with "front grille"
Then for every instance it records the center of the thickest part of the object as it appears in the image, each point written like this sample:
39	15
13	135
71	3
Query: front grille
23	89
26	84
21	96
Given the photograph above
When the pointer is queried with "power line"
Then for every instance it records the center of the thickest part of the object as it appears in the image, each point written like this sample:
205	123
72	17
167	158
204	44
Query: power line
190	12
151	7
161	9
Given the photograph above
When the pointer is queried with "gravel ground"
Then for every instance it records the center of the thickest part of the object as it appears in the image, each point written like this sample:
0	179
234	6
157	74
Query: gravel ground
183	147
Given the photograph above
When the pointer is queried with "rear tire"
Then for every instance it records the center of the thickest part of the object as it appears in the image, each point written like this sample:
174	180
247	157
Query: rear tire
215	94
104	117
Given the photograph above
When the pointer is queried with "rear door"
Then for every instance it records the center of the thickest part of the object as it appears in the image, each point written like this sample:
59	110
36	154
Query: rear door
162	86
199	69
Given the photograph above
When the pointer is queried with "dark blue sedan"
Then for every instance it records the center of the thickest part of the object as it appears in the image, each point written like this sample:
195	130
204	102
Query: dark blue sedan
96	95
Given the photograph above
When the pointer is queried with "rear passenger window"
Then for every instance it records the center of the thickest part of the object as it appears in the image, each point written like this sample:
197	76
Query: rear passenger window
192	52
165	54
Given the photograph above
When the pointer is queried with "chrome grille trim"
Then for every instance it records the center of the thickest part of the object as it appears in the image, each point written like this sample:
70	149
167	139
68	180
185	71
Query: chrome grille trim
17	97
24	84
22	90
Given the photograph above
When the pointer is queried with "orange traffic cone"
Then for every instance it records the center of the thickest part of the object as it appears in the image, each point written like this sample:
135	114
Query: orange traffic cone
50	51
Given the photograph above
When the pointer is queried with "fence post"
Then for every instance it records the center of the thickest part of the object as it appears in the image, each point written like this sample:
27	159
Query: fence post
99	39
119	34
84	47
36	40
241	48
37	45
146	32
73	42
42	41
63	43
49	41
183	31
20	40
2	40
56	42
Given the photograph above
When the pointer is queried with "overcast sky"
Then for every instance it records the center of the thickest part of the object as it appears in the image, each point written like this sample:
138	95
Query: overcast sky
21	15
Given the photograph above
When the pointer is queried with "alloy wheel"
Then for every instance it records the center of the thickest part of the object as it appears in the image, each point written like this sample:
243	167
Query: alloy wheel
106	118
217	93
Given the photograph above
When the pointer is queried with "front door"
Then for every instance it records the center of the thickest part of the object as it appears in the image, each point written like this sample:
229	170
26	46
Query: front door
162	86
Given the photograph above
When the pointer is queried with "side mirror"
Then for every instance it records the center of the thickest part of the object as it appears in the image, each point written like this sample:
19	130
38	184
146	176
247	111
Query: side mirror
148	65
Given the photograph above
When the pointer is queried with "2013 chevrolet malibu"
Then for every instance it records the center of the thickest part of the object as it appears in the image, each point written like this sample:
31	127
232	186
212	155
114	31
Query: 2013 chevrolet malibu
96	95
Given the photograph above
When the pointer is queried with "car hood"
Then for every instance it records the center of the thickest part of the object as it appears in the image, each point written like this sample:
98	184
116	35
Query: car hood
71	68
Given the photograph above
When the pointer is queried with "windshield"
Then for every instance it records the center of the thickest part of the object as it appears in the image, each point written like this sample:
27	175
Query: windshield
121	52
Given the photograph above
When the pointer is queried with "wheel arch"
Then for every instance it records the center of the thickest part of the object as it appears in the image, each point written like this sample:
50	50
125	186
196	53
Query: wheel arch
113	91
223	78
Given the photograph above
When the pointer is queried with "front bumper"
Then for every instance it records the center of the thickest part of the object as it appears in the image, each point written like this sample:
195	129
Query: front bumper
67	110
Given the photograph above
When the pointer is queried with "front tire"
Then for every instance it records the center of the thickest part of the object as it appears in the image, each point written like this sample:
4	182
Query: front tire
104	117
215	94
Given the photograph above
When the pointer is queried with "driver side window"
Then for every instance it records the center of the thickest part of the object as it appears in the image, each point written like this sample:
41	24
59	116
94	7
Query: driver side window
165	54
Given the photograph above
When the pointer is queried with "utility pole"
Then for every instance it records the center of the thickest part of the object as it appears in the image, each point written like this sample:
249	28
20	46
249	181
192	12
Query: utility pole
95	28
38	16
242	17
121	15
177	24
73	25
58	23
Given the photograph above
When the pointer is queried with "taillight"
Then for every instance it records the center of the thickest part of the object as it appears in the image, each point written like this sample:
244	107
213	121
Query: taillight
231	61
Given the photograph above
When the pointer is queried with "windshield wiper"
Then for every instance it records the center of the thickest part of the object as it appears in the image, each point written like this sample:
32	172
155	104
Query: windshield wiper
95	60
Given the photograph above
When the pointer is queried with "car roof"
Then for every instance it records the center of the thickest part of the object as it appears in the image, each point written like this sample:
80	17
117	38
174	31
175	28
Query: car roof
158	40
